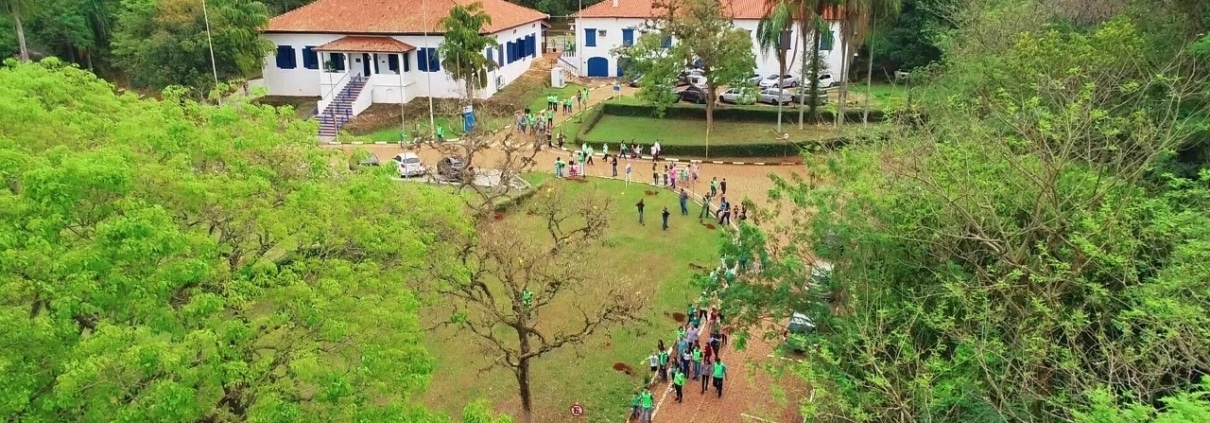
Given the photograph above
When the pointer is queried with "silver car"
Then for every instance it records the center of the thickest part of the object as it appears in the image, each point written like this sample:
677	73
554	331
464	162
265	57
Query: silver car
739	96
409	164
774	81
776	96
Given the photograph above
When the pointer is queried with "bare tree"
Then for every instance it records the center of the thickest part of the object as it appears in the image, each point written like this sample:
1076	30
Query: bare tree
507	278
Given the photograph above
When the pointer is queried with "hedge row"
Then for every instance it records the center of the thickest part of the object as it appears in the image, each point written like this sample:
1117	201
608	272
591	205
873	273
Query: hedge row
733	113
766	150
589	121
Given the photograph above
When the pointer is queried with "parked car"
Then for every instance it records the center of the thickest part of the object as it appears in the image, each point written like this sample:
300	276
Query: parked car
753	79
821	283
800	325
826	81
409	164
633	80
776	96
739	95
800	96
693	95
451	168
683	77
773	81
698	81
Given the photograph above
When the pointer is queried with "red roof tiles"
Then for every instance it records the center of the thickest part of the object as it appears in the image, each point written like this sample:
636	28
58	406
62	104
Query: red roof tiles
642	9
369	44
393	16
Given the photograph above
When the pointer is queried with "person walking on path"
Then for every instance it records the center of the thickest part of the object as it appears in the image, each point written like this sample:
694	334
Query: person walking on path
684	202
678	383
697	362
654	361
713	186
665	215
705	379
636	404
592	151
672	175
655	175
663	365
613	163
627	172
647	402
720	373
722	186
567	105
686	359
559	167
605	149
705	207
684	178
640	206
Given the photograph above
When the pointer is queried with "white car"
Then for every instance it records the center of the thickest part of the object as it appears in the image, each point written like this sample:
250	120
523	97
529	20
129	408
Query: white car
739	96
774	81
409	164
698	81
826	81
776	96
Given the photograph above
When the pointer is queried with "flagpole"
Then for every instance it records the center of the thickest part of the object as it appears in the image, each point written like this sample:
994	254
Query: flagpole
210	41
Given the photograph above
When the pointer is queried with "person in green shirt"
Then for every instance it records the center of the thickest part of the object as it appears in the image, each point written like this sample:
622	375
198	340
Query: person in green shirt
440	133
527	298
636	404
680	332
647	402
663	365
567	105
697	362
678	383
720	372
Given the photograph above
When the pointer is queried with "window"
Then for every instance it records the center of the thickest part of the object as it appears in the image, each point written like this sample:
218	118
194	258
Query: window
512	52
522	48
590	37
825	42
628	37
667	41
310	58
784	41
533	46
500	55
601	33
286	58
393	63
488	55
427	60
407	62
338	61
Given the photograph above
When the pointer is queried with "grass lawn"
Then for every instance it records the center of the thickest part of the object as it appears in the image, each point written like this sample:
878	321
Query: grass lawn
539	99
647	130
586	375
452	125
884	96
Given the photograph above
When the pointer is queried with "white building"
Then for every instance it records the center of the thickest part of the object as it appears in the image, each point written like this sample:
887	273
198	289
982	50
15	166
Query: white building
613	23
353	53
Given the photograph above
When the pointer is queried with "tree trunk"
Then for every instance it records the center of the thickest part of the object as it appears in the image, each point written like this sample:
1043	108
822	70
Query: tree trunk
709	101
522	373
802	31
869	70
844	73
815	61
781	67
16	11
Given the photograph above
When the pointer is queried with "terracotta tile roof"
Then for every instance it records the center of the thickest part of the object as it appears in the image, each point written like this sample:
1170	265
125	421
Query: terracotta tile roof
641	9
392	16
370	44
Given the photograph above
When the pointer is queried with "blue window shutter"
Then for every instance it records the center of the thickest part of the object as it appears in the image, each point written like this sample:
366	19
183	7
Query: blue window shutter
590	37
500	55
667	42
509	46
407	62
310	58
285	57
825	43
434	60
533	46
523	49
422	60
338	62
393	63
627	36
488	55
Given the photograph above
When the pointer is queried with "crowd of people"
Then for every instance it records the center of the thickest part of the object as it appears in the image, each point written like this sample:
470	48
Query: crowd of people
694	356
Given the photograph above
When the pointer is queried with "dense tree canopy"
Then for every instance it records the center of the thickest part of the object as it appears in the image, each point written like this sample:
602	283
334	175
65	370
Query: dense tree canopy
170	261
1017	256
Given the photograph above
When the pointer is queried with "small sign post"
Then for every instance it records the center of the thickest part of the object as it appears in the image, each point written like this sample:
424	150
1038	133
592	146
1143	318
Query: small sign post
577	410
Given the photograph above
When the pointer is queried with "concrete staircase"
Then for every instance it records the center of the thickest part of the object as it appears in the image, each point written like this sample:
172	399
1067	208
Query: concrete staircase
340	111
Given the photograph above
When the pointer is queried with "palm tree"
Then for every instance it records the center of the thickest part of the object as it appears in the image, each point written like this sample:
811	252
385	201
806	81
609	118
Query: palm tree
819	26
886	9
16	8
771	34
852	33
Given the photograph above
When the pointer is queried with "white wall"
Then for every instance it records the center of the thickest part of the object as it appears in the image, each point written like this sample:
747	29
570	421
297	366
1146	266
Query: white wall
611	40
765	64
314	82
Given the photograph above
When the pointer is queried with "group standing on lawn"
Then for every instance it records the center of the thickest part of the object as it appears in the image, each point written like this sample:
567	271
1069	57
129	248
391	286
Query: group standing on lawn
692	357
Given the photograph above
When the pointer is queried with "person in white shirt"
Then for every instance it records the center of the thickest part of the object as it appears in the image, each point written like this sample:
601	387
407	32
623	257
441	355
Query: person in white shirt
627	172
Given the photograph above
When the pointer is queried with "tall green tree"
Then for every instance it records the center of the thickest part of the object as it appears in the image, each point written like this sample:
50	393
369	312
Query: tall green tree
159	43
178	262
706	35
1010	260
462	48
17	9
772	35
658	66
